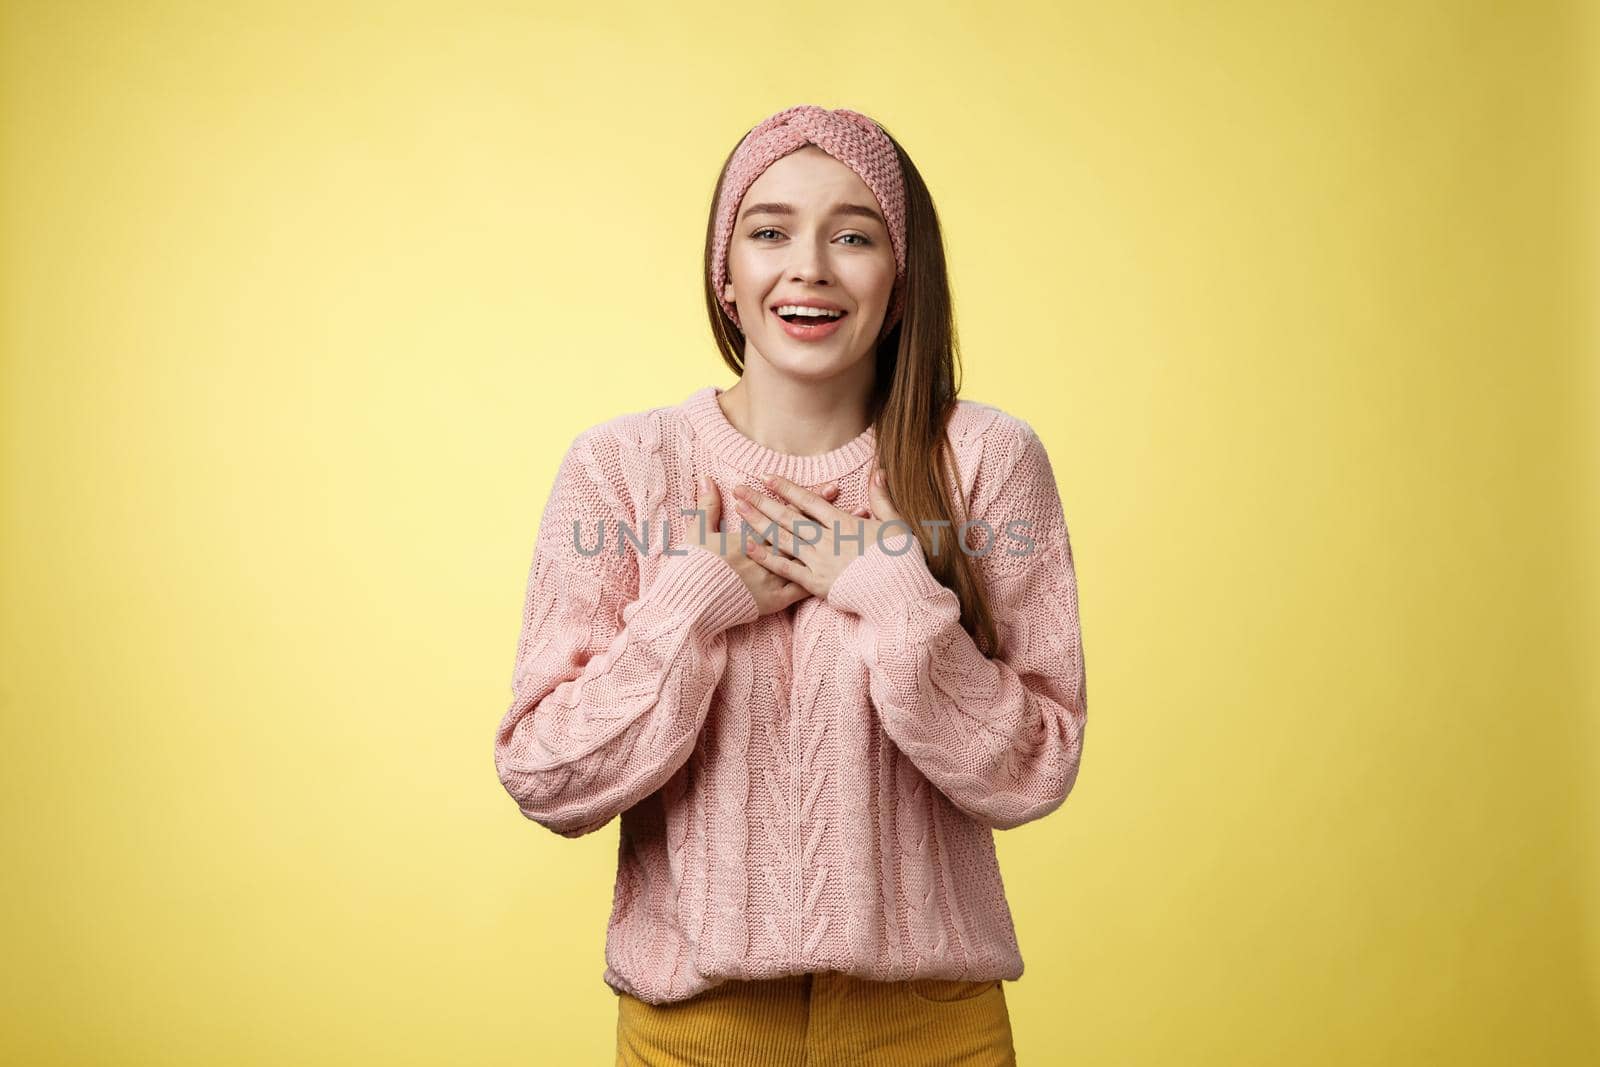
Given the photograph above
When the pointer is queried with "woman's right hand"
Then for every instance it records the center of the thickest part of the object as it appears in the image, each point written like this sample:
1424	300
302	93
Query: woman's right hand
772	593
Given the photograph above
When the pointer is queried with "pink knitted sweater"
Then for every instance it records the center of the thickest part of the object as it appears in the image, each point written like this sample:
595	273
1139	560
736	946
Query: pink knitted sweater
813	789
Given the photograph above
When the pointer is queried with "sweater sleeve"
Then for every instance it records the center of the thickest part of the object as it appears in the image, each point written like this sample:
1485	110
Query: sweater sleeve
610	688
1000	737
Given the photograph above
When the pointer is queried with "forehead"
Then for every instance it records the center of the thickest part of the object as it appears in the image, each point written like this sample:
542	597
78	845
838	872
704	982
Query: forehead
806	177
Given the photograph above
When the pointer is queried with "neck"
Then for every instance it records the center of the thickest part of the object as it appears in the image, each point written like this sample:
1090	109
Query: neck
802	418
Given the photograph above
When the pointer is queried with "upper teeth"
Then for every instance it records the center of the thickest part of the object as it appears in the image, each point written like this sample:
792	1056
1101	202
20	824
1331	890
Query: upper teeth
796	309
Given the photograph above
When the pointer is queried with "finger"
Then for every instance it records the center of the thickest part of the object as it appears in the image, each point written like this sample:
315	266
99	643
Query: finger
809	503
781	565
771	533
766	514
710	504
828	489
878	496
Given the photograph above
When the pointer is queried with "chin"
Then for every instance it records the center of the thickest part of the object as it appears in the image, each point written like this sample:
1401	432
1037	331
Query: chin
815	366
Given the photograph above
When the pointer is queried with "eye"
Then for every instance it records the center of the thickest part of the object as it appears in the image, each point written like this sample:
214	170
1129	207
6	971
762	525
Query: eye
861	240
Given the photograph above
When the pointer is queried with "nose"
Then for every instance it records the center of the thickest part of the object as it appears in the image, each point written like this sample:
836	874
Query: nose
810	263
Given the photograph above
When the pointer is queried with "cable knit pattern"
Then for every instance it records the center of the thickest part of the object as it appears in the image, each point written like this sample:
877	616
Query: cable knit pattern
813	789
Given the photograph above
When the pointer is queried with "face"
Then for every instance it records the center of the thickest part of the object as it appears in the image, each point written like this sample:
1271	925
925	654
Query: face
809	230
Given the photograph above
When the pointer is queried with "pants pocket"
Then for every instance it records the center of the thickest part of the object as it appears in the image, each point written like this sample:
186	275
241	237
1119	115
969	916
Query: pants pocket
944	990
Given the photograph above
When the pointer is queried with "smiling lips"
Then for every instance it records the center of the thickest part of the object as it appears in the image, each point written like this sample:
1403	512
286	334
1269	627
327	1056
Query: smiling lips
809	322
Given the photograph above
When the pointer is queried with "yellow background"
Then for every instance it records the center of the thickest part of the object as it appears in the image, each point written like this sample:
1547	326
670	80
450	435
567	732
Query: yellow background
301	304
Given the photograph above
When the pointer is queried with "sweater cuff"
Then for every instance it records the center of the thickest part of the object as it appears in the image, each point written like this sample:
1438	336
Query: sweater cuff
878	582
705	590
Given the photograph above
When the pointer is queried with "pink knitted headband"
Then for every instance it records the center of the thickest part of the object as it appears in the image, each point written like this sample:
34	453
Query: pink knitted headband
848	136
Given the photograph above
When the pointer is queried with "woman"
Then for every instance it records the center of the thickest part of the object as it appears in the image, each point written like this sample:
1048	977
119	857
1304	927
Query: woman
811	720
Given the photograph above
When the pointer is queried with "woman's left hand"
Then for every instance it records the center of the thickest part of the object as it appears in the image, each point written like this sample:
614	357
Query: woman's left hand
808	540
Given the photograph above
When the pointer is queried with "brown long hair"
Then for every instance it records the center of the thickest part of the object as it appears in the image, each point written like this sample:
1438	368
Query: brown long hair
914	395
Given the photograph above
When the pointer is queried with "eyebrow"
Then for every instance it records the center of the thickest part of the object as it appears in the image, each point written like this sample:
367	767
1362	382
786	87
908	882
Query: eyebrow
774	208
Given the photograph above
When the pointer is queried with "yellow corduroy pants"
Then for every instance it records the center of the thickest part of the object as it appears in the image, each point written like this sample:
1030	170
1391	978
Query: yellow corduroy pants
823	1019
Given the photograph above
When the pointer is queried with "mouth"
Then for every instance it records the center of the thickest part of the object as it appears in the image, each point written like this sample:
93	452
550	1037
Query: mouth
806	323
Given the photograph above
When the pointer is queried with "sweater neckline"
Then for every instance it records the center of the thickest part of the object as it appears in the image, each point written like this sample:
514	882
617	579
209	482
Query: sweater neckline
729	443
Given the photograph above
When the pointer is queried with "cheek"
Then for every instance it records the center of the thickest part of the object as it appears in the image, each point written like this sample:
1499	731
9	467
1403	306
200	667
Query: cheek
747	275
875	277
